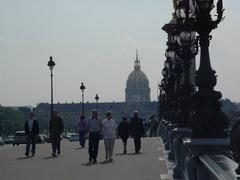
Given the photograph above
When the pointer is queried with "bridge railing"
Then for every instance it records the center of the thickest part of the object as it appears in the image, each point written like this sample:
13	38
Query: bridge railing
199	159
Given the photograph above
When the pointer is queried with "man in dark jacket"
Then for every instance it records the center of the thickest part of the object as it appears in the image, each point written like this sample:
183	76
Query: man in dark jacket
123	132
56	129
31	131
94	127
136	130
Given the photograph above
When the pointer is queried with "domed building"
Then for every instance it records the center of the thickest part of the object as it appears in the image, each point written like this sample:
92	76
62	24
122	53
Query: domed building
137	99
137	89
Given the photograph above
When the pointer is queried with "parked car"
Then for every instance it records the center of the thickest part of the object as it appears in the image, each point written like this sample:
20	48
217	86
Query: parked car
19	138
40	139
1	141
9	140
46	138
74	137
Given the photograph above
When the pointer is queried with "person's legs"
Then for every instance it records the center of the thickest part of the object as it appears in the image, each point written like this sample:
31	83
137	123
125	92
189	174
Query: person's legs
54	144
95	146
33	139
106	149
124	146
79	136
82	138
90	146
28	145
137	143
58	144
111	146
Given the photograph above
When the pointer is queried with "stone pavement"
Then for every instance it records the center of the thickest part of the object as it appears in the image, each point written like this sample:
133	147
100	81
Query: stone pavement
71	164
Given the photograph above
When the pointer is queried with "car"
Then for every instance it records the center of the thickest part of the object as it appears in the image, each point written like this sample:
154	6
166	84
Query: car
68	135
1	141
9	140
74	137
20	138
46	138
40	139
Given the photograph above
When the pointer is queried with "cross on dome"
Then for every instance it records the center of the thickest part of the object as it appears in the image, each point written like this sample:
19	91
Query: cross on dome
137	66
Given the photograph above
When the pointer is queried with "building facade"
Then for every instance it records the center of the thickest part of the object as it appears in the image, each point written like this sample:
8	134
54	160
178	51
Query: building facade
137	98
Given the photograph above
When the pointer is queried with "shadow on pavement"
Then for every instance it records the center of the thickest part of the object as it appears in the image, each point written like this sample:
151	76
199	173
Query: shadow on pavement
23	158
89	164
105	162
134	153
49	157
120	154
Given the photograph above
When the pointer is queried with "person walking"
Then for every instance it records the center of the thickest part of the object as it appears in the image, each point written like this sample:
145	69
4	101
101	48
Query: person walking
136	130
153	126
94	128
82	127
109	135
123	132
31	131
56	128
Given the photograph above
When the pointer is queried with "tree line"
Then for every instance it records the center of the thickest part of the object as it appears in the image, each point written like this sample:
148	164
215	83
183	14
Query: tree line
12	119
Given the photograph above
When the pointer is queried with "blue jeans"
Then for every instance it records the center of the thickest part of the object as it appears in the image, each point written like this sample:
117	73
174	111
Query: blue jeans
31	141
81	135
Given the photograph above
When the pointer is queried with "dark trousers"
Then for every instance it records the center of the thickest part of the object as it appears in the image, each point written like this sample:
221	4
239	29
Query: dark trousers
31	141
81	135
94	138
124	140
56	143
137	143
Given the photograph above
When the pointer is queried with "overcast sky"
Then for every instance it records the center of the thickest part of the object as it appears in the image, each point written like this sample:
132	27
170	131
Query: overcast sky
94	41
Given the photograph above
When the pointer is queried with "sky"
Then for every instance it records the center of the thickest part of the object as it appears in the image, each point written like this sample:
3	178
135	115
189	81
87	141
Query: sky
94	41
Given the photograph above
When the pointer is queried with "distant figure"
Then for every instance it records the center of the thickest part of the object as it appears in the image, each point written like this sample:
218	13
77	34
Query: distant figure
109	135
82	127
94	128
56	128
32	131
153	126
136	130
235	143
146	125
123	132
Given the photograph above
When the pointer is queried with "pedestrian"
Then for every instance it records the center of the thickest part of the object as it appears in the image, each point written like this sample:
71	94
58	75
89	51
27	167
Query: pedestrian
153	126
31	131
136	130
94	128
109	135
56	128
82	127
123	132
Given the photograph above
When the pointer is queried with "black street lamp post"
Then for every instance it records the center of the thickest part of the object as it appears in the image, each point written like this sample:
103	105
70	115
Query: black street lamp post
97	99
82	87
208	119
51	65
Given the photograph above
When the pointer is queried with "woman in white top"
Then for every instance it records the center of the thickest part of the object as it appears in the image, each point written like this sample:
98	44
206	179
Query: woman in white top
109	135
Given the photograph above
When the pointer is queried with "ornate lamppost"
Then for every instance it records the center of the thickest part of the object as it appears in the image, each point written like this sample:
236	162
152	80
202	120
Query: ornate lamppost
97	98
82	87
208	120
51	65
